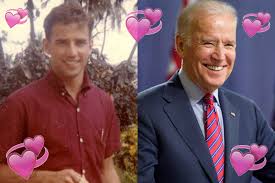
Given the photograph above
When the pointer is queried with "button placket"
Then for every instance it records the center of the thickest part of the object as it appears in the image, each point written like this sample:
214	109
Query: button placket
81	139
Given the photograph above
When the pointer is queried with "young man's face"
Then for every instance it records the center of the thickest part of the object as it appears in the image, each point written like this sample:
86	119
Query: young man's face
69	48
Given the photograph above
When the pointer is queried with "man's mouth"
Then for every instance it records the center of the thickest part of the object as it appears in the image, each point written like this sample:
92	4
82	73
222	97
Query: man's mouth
71	62
214	67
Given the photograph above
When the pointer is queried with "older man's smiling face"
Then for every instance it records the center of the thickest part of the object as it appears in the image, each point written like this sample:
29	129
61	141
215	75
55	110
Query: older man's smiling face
210	58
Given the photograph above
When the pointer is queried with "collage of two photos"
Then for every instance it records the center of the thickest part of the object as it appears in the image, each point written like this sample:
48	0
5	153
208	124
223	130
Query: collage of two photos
124	91
68	110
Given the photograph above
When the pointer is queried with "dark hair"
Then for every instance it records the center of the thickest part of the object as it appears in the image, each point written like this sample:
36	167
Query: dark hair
66	13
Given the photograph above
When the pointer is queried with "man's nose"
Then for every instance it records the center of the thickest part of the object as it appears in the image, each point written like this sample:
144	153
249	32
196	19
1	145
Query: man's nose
219	53
72	50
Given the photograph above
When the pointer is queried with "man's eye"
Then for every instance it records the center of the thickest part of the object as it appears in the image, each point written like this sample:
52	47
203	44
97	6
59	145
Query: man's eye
208	43
61	42
81	43
229	45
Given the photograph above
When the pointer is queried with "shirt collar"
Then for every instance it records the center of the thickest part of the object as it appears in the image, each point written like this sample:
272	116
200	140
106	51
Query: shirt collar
54	81
194	93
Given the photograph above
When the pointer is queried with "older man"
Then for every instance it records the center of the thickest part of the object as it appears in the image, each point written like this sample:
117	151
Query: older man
188	125
76	119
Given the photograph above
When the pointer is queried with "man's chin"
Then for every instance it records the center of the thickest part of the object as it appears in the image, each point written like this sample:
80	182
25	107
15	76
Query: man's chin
214	86
211	86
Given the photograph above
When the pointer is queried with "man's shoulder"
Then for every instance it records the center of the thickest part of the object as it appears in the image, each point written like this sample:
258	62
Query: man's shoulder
100	94
236	98
151	94
23	95
27	90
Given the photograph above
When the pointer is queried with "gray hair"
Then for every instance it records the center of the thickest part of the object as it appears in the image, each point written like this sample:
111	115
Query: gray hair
210	7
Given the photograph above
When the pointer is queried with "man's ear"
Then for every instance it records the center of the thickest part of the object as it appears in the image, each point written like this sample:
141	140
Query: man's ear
180	45
46	48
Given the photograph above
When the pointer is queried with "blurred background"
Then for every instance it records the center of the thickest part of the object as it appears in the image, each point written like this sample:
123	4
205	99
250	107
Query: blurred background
112	64
254	72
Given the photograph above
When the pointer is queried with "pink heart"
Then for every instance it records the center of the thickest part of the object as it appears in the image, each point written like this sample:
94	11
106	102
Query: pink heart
22	165
136	28
241	163
22	12
251	28
11	19
153	15
258	151
35	145
263	17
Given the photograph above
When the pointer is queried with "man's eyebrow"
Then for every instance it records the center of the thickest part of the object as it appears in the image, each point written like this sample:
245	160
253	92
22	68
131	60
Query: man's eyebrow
202	40
63	40
81	39
60	40
207	38
230	42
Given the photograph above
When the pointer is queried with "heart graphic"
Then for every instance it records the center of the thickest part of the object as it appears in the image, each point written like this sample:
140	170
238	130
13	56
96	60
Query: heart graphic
258	151
137	28
11	19
241	163
35	145
251	28
263	17
22	12
22	165
153	15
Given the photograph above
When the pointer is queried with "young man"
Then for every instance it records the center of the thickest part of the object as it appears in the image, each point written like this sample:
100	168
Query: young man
188	125
76	119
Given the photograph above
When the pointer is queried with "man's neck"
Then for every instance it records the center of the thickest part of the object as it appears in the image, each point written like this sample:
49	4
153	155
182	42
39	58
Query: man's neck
73	85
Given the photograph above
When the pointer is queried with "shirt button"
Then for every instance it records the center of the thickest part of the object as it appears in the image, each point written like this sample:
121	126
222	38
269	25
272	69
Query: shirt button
81	140
78	109
63	93
83	171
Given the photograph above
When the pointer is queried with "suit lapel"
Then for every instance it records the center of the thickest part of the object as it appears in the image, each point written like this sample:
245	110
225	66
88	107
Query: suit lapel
181	114
231	127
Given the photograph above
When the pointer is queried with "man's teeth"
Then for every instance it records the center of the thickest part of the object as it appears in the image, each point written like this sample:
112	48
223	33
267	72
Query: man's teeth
71	61
214	68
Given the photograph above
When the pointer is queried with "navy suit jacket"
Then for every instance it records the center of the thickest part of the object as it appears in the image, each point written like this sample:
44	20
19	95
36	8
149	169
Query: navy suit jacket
171	146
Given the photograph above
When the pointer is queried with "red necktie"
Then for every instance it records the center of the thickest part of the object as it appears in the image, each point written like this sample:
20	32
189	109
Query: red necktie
213	135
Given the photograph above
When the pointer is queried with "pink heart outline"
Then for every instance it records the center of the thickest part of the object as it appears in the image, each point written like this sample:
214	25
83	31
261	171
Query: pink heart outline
153	15
258	151
22	12
241	162
34	144
137	28
251	28
263	17
23	164
12	19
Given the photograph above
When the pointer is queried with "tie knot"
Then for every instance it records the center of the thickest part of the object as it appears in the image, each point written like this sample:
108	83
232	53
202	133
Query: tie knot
208	99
